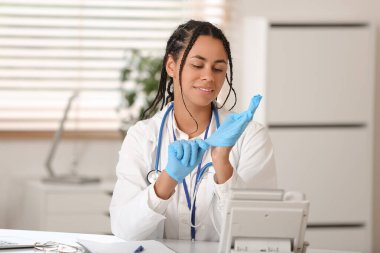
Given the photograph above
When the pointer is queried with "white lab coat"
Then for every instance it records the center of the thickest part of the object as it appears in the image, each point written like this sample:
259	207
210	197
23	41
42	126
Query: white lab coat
136	211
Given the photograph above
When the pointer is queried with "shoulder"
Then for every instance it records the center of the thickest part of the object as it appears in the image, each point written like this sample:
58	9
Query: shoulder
147	129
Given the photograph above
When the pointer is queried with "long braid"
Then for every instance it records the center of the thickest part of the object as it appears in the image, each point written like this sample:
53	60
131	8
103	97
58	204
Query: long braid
170	96
160	97
193	38
160	94
228	50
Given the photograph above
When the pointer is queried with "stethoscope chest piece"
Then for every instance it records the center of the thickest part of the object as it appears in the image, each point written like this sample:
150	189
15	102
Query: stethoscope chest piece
153	176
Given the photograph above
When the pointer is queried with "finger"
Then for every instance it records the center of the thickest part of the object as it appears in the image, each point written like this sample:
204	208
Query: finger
201	152
255	101
194	153
231	117
246	121
241	122
186	153
238	119
246	117
178	149
202	144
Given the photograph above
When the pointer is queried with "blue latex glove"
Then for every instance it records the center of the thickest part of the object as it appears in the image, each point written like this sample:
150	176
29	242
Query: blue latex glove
183	157
233	126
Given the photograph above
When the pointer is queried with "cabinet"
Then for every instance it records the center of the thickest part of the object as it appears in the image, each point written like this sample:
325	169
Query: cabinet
317	82
319	74
68	208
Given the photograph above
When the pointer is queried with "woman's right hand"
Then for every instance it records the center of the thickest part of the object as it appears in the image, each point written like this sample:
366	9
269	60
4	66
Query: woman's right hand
183	157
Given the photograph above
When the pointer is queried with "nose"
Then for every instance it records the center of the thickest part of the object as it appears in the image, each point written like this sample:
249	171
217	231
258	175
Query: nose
207	75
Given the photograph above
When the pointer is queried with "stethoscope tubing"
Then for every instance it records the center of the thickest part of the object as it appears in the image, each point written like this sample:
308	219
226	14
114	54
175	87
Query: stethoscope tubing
200	170
160	136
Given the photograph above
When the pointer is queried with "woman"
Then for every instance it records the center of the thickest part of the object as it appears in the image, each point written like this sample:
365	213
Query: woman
172	142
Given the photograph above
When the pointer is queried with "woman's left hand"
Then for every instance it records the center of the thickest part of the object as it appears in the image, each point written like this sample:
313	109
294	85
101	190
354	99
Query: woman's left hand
233	126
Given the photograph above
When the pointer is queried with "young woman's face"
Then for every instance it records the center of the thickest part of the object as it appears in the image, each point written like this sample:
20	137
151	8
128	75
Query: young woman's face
203	73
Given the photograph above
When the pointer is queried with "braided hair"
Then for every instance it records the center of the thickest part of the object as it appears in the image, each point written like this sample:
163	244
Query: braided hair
183	38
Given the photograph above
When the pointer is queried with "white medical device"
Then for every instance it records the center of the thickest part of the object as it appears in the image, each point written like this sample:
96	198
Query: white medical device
264	221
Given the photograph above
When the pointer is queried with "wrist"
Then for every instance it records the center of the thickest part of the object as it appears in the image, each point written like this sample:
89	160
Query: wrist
164	186
220	154
221	162
223	174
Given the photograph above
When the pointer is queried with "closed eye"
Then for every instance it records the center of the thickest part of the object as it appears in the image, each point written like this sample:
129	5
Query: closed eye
197	66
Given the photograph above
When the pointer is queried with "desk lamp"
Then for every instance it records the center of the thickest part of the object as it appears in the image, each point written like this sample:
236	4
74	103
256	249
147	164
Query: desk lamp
69	178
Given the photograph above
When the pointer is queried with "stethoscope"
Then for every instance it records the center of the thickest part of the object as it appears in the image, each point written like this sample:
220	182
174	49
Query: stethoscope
153	175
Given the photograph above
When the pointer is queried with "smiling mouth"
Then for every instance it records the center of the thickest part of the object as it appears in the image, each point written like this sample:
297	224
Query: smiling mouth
204	89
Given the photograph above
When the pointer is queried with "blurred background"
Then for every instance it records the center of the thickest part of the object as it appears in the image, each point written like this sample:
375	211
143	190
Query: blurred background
75	74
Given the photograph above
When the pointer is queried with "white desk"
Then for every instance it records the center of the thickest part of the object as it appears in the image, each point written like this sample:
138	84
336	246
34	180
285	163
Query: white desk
180	246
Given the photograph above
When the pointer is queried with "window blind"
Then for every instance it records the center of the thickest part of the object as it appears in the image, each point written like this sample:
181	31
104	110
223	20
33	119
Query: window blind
51	48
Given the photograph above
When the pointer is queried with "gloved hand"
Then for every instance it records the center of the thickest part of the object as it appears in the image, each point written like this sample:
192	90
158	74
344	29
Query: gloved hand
183	157
233	126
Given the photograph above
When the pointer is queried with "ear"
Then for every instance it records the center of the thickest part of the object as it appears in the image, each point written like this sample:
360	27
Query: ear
170	66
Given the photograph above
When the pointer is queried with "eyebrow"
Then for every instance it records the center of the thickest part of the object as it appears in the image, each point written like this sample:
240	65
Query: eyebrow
204	59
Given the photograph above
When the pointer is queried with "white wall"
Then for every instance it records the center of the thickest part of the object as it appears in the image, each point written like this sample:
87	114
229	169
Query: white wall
21	160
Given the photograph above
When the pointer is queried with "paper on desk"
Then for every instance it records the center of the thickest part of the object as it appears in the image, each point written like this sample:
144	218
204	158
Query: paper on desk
150	246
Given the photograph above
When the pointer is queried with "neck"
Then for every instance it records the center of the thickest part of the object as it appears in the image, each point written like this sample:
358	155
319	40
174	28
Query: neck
187	124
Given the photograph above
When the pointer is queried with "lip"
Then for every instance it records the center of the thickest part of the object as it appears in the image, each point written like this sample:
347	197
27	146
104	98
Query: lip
204	89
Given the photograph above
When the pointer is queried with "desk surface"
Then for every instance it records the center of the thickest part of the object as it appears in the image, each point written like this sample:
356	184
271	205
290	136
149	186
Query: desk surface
180	246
